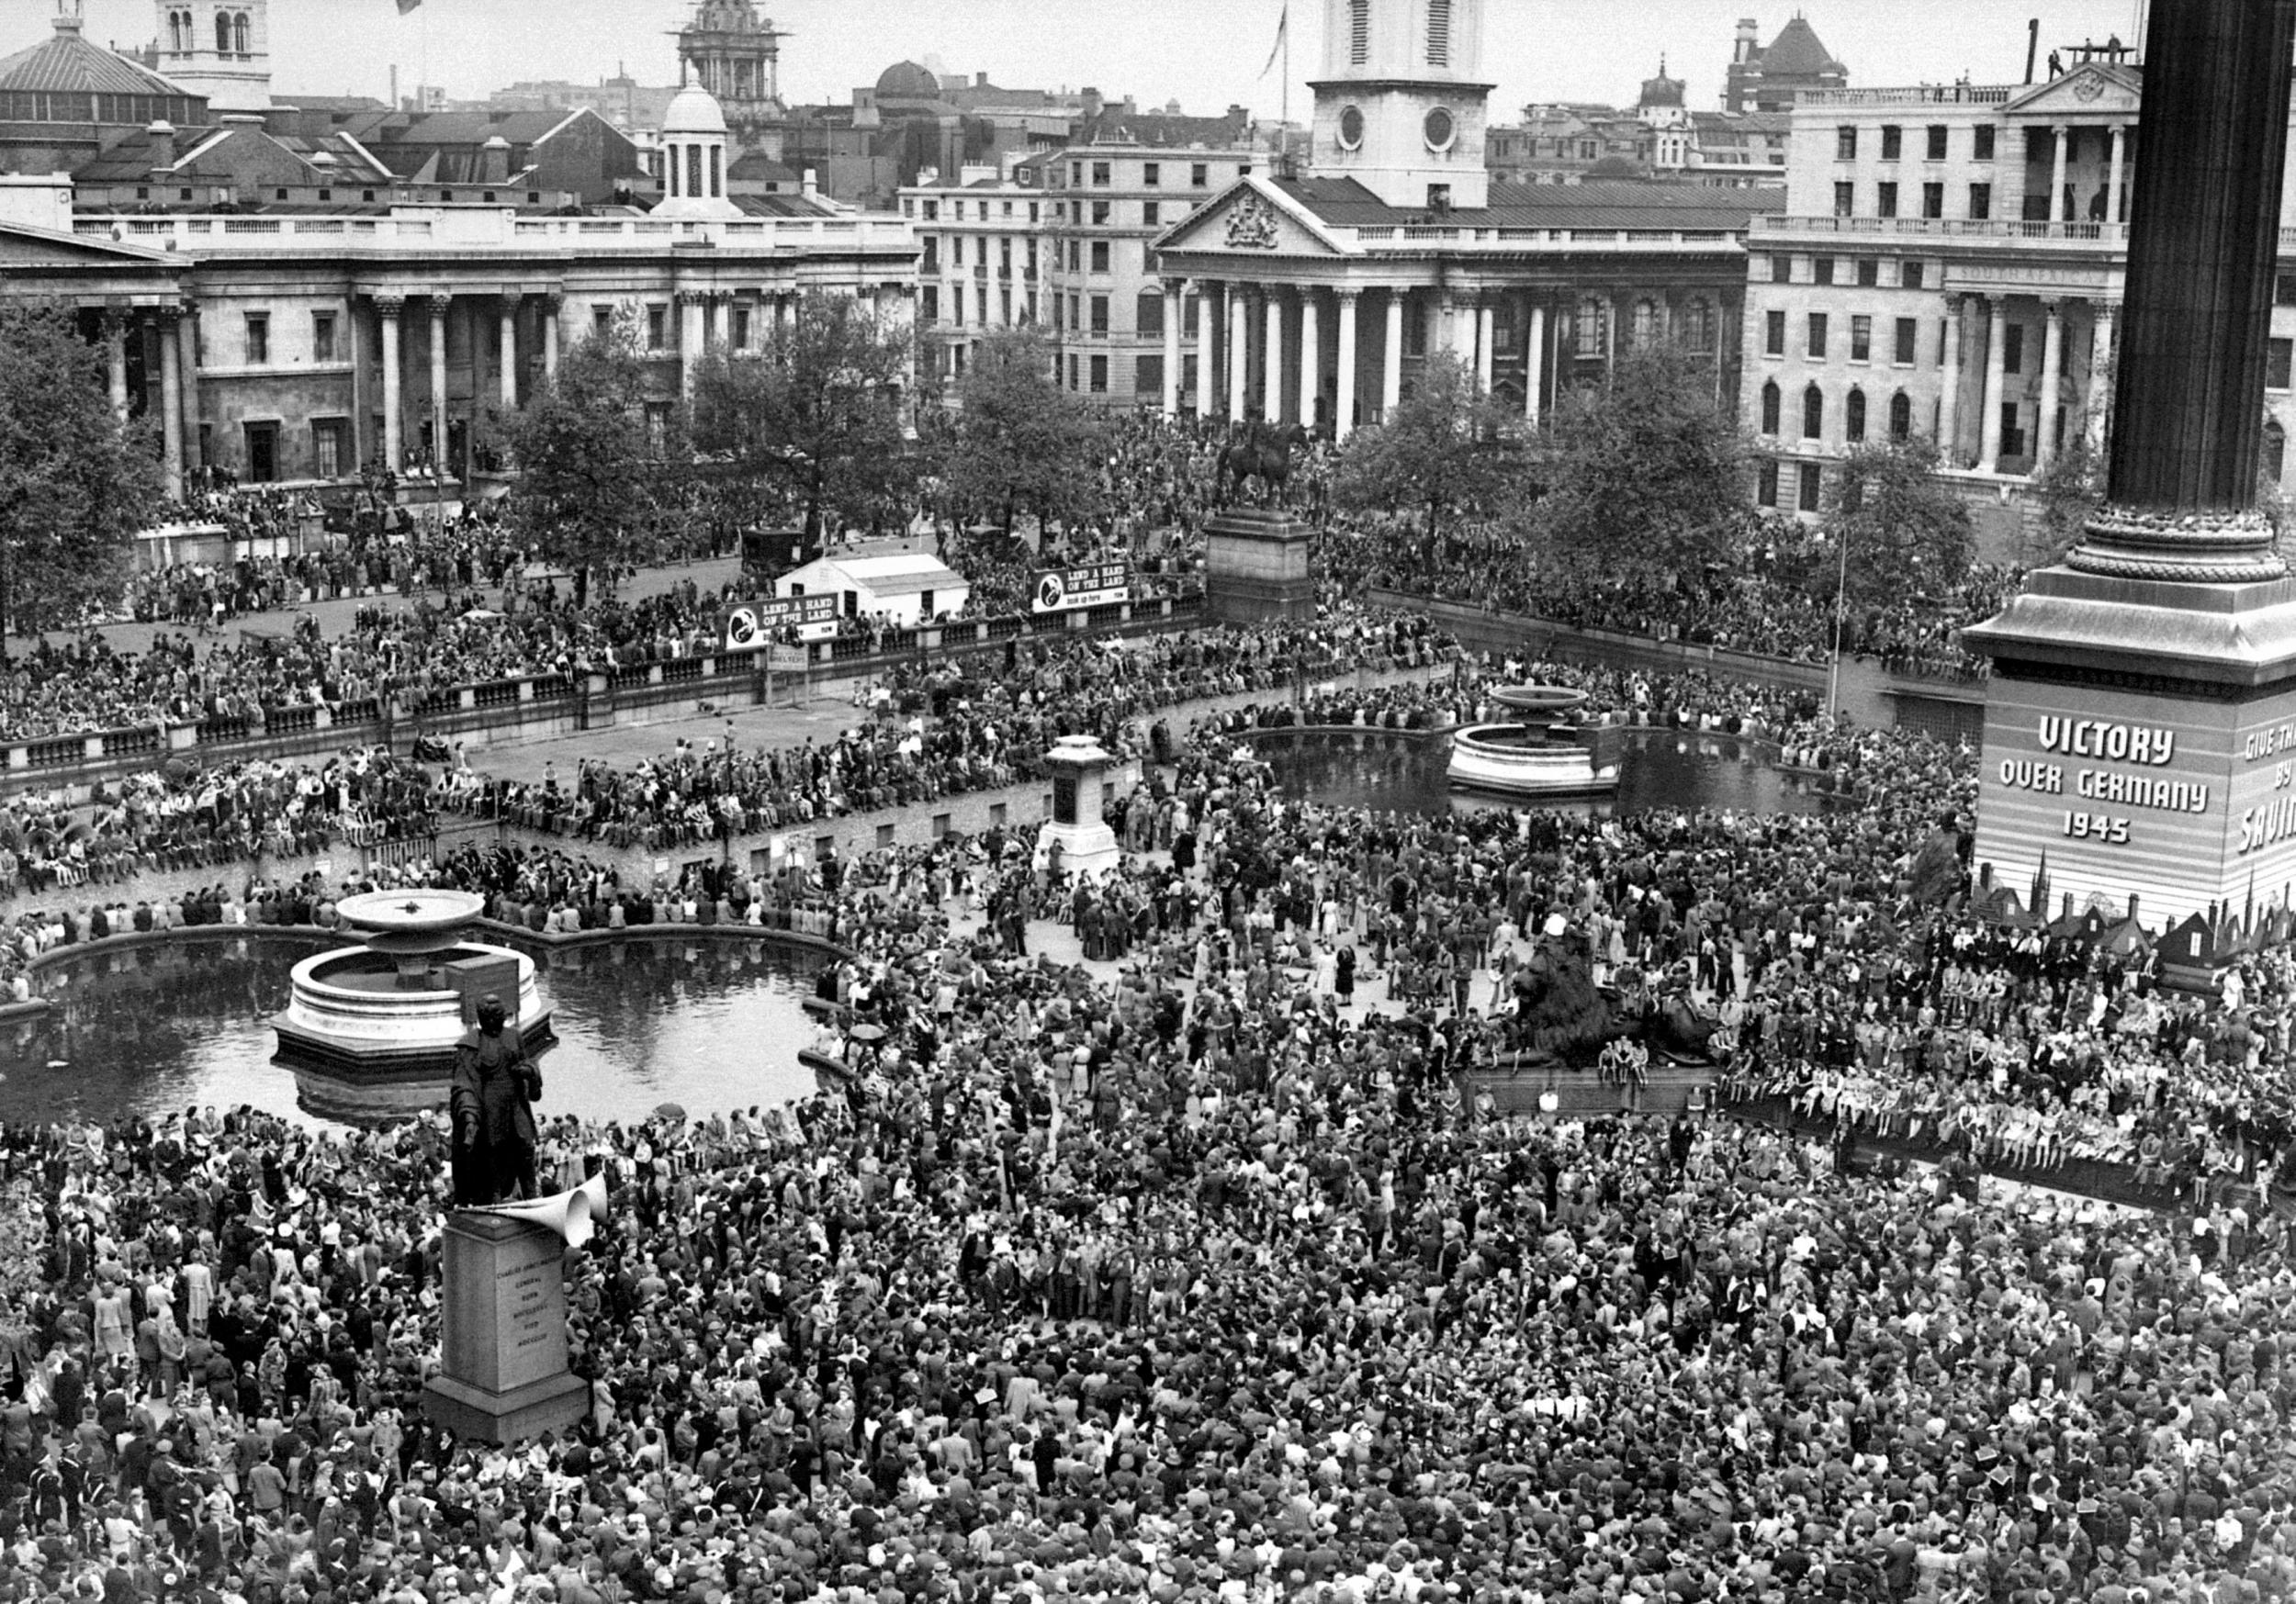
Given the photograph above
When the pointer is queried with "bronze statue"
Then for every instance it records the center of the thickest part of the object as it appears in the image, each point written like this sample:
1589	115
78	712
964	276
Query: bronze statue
1261	453
492	1102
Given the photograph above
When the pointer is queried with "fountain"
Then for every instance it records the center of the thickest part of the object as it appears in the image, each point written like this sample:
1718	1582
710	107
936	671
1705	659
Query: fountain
1537	752
370	1030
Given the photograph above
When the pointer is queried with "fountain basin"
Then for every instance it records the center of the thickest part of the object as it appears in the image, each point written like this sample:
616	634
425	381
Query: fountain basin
1514	760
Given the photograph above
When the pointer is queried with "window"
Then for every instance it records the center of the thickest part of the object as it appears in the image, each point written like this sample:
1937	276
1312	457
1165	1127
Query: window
1771	403
1893	142
1936	151
1853	417
1933	201
1075	373
931	293
1981	201
1151	214
1983	149
258	338
1148	314
1869	272
1845	200
1901	416
1649	325
1359	32
1781	270
1814	347
1813	412
1589	321
1774	334
1151	176
323	336
1076	175
1906	335
930	260
1099	175
601	321
1148	376
2274	450
327	453
1100	256
1846	144
222	33
657	327
1099	375
1075	257
2284	289
1885	200
1821	270
1439	33
740	332
1766	485
1861	339
2013	348
1813	481
1909	275
1100	314
2012	430
2276	363
1699	328
1199	175
1100	214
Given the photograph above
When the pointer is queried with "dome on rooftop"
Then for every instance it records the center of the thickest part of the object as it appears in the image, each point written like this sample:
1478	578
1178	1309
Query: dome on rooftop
1660	90
693	110
907	80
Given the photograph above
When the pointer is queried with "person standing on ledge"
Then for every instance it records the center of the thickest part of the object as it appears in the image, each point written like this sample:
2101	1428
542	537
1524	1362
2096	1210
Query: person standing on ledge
492	1102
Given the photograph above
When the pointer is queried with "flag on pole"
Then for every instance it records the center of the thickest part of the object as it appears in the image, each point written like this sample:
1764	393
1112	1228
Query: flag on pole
407	6
1283	32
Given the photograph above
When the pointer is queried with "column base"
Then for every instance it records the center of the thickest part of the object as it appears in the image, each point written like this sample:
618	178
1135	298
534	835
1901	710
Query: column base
472	1412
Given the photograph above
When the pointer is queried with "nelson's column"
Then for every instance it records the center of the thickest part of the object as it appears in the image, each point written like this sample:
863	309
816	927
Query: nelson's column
2140	727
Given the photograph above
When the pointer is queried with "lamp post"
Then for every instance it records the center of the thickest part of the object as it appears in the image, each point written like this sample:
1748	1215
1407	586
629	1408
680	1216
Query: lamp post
1841	590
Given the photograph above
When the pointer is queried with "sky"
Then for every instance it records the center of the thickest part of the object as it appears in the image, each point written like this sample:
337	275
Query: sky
1208	54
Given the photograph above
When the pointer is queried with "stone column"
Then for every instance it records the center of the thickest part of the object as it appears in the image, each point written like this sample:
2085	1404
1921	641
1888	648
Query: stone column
170	406
2115	174
510	351
1995	356
553	308
1534	363
692	339
440	306
1344	407
1239	354
1949	398
2062	135
1172	308
1391	377
1272	360
188	380
721	313
1610	334
2051	380
1486	335
116	360
387	310
1310	356
2094	409
1207	349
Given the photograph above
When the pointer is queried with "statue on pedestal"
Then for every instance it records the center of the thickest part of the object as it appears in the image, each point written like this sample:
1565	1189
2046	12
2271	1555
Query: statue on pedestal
1261	452
492	1102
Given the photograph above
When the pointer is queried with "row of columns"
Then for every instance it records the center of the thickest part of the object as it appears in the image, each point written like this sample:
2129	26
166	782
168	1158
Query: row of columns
1995	390
2060	204
175	334
390	314
1466	324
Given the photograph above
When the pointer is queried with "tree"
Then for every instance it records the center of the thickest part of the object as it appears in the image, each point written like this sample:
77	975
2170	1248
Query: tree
813	424
2067	493
1897	531
589	468
1018	441
1447	448
76	483
1647	470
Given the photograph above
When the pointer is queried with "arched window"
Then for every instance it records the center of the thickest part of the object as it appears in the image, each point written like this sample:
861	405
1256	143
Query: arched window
1813	412
239	33
1770	404
2274	450
223	33
1901	416
1853	423
1148	314
1699	328
1439	33
1590	324
693	170
1650	325
1359	32
717	172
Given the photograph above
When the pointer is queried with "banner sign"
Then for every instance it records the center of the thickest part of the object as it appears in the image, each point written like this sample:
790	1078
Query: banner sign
751	624
1065	589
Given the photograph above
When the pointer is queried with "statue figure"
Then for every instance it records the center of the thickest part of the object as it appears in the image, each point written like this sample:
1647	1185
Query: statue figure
1260	452
492	1102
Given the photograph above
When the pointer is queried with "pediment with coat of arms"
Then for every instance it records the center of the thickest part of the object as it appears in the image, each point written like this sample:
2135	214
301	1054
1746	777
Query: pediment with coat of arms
1249	219
2086	91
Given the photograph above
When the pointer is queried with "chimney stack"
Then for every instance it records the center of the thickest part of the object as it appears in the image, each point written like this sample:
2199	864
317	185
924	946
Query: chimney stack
160	138
811	188
1747	40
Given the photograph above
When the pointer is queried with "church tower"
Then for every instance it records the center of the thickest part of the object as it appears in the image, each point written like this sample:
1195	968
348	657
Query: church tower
220	49
1399	106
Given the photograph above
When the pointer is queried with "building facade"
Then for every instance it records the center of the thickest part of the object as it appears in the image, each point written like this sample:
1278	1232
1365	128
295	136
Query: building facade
1319	299
1949	264
978	266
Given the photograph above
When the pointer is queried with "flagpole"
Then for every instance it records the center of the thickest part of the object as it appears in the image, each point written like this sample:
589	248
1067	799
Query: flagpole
1287	99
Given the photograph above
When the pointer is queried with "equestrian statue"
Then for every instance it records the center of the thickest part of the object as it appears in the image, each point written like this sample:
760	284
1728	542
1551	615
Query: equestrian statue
1258	450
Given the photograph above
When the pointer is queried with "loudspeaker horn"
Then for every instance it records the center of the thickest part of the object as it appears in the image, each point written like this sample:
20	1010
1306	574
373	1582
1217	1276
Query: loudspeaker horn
573	1214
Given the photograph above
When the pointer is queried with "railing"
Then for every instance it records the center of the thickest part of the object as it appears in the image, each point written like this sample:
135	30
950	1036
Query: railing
484	227
1633	240
1954	228
1918	95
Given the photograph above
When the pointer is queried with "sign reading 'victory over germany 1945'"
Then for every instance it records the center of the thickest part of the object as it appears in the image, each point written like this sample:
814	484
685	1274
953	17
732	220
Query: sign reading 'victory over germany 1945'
1065	589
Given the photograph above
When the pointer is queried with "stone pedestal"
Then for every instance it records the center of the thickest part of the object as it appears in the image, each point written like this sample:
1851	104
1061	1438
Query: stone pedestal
1079	765
1255	566
503	1376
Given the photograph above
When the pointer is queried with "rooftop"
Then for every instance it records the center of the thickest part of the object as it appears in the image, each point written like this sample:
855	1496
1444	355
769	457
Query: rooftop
66	61
1595	207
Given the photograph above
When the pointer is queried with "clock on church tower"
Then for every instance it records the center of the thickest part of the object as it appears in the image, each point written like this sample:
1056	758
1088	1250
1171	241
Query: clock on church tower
1398	105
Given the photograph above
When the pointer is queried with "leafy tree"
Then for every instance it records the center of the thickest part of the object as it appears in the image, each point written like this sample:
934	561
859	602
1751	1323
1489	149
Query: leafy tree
1447	448
814	423
1018	441
1897	531
75	483
2065	493
1648	470
590	470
